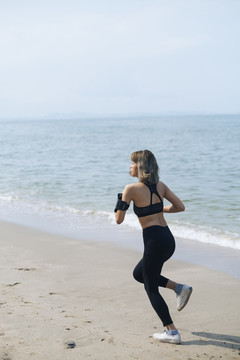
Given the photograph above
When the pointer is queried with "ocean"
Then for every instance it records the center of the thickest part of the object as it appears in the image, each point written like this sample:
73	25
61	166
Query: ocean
64	175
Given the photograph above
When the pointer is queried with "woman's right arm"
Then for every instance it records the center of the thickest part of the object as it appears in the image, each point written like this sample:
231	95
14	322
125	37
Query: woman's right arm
176	204
127	197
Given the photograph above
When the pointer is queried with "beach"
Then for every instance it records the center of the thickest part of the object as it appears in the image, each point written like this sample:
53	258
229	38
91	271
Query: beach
85	85
58	292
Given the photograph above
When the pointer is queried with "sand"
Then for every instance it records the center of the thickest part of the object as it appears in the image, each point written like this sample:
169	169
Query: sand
55	290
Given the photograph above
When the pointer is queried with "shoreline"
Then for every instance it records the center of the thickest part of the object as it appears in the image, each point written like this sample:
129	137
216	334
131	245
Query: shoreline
216	257
56	289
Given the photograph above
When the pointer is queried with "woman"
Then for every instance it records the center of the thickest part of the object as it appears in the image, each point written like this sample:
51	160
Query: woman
159	244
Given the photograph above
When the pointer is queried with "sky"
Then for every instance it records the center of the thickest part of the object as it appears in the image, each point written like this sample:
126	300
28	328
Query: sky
79	57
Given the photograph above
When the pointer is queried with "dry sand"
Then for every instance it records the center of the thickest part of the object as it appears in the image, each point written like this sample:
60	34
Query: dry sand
55	289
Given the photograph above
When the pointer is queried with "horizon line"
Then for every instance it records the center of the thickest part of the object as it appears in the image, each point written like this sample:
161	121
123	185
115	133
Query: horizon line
76	115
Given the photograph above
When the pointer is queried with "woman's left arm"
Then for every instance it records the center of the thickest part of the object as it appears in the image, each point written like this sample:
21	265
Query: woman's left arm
127	197
176	204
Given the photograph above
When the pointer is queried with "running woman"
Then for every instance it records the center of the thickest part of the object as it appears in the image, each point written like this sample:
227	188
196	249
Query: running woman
159	244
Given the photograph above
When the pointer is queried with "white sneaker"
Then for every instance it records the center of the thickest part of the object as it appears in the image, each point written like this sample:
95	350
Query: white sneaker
166	338
183	297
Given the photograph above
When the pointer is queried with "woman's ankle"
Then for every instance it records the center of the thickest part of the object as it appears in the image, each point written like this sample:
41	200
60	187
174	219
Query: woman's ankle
171	285
171	327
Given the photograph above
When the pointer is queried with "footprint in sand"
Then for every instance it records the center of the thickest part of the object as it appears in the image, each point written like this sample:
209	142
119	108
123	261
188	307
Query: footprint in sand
17	283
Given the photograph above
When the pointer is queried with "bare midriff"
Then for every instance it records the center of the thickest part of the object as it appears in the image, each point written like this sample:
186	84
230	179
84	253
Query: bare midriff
152	220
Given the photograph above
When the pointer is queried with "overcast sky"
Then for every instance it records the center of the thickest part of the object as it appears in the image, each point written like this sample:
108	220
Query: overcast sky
119	57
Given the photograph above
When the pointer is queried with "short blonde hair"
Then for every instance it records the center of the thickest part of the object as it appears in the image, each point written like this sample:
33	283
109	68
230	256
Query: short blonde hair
147	166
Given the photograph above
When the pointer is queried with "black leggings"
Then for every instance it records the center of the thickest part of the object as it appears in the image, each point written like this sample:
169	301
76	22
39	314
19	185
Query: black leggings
159	245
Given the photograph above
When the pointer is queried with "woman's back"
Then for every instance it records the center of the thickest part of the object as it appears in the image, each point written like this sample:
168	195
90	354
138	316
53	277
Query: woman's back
148	203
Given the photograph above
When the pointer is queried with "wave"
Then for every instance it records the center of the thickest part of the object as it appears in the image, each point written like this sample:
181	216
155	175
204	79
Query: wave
14	209
193	232
8	198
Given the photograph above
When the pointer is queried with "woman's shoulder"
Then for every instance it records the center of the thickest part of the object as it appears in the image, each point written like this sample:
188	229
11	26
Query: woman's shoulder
130	192
135	187
140	185
161	187
161	184
132	186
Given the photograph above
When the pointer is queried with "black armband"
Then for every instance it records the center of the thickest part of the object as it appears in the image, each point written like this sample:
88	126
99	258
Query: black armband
121	205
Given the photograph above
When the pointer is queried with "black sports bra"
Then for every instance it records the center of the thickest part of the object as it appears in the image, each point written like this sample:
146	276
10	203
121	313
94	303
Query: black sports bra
152	208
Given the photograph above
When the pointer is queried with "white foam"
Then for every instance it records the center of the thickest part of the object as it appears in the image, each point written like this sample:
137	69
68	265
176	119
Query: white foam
187	231
206	235
8	198
13	208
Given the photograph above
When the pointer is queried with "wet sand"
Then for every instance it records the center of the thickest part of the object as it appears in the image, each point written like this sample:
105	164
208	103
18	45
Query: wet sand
55	290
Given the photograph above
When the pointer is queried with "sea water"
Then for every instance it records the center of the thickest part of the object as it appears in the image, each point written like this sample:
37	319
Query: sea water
65	174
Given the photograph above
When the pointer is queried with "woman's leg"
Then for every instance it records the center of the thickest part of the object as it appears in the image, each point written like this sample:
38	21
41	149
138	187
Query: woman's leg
138	275
162	281
159	245
151	268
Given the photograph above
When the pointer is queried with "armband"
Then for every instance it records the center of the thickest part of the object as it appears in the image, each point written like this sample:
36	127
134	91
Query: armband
121	205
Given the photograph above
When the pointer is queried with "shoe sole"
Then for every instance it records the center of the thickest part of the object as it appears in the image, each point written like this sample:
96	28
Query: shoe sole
186	300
